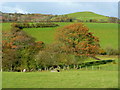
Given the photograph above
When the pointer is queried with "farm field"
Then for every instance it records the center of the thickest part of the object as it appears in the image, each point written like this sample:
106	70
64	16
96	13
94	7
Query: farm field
5	26
64	79
106	77
107	33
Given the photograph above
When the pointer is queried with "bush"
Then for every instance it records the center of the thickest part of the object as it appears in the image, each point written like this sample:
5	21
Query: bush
102	52
111	51
33	25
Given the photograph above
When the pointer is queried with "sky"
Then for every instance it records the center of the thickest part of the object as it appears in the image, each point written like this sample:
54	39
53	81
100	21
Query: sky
59	8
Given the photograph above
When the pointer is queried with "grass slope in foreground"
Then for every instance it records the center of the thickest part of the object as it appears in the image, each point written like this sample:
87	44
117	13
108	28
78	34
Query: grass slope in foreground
65	79
106	77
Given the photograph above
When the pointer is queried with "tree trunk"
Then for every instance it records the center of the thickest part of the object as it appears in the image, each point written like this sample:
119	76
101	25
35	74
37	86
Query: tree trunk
47	68
11	67
77	66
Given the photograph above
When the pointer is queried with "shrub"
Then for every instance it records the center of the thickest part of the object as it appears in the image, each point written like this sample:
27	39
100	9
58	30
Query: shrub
111	51
102	52
33	25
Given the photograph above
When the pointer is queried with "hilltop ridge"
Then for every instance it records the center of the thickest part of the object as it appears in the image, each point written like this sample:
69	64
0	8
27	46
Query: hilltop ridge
87	15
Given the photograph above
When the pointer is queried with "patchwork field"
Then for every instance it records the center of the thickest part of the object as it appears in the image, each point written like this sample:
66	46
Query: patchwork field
107	33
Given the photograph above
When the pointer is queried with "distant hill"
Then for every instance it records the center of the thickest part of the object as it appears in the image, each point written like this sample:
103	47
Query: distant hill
87	16
72	17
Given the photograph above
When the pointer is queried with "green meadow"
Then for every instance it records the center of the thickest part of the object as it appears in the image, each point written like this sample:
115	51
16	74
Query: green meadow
105	77
64	79
107	33
87	16
5	26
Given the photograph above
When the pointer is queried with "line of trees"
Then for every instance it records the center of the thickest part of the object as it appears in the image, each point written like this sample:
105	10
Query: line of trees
34	25
18	17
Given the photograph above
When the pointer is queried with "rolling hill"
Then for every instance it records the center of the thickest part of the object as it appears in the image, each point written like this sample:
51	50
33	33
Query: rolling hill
87	16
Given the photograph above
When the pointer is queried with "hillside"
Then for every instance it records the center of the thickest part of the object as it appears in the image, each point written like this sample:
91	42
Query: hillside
107	32
77	17
87	16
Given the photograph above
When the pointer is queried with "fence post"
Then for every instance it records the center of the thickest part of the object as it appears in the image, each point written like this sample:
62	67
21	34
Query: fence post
99	67
80	67
86	67
68	67
92	67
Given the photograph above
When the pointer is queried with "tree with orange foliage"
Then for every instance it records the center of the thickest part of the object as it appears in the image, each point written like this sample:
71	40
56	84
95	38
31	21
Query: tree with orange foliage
76	39
18	50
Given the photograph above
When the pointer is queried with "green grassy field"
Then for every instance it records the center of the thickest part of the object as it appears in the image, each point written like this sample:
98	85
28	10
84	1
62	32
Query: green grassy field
107	33
6	26
108	66
87	16
64	79
105	77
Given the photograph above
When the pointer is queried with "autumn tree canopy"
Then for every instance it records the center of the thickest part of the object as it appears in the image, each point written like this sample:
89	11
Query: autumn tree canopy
76	39
18	50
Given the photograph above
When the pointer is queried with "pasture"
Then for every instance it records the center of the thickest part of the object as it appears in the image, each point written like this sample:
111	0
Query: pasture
105	77
64	79
107	33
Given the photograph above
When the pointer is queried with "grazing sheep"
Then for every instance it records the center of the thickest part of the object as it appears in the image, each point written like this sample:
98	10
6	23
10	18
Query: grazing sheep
24	70
53	71
39	69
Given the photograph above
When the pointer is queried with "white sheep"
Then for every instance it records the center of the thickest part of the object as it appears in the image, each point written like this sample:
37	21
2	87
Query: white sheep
24	70
53	71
